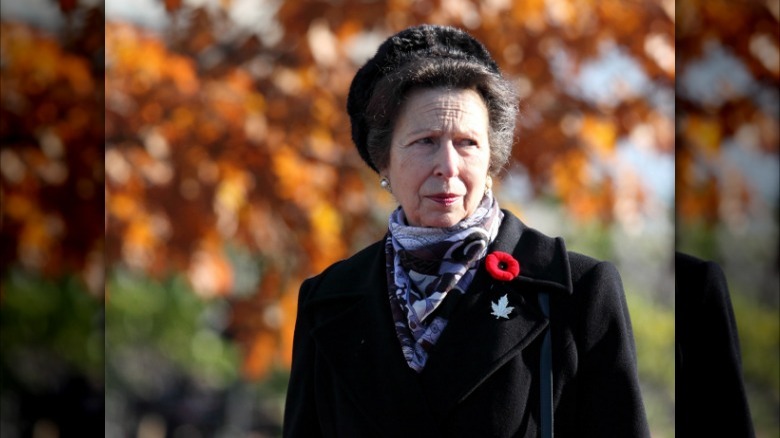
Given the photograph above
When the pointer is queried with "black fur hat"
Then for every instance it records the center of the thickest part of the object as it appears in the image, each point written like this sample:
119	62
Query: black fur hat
425	41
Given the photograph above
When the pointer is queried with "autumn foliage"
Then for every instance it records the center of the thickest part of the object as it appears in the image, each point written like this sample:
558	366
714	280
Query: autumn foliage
225	154
52	160
213	140
210	142
738	113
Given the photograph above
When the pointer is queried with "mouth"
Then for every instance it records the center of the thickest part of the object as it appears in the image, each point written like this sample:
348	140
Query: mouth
445	199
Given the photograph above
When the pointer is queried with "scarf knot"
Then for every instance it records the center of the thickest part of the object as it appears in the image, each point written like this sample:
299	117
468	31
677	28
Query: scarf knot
425	265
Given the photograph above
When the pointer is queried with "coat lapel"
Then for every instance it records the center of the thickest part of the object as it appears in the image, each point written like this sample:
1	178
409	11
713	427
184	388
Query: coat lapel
356	335
475	343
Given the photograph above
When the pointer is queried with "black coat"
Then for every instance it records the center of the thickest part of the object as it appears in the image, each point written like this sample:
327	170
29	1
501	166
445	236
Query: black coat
709	390
349	377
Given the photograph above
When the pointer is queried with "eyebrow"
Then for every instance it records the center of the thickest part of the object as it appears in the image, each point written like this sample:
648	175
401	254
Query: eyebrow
439	131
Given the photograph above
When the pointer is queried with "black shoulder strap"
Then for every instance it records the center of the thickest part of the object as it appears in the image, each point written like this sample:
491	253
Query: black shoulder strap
546	378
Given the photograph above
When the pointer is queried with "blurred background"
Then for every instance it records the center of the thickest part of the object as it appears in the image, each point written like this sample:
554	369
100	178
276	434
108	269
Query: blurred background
165	305
728	176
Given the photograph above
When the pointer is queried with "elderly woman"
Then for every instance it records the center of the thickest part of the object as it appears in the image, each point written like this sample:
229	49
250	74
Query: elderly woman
461	321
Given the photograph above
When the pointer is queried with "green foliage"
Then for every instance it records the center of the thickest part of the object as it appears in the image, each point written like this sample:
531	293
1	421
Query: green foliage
697	239
47	321
246	268
163	322
653	327
759	336
593	238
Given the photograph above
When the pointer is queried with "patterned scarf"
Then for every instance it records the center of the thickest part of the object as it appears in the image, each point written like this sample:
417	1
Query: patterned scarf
425	264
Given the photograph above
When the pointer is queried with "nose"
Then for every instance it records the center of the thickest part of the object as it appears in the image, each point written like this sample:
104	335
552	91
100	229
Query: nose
446	160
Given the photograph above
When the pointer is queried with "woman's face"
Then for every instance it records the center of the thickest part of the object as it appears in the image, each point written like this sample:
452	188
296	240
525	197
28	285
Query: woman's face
439	156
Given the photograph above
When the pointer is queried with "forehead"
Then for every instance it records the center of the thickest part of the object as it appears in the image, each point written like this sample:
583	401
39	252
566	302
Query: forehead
443	109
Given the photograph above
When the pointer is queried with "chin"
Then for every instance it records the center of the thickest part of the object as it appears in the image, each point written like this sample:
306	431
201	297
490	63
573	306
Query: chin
442	220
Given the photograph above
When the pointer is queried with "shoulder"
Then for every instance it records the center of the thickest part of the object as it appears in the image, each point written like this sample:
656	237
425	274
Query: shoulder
597	288
695	274
587	298
699	282
586	268
546	259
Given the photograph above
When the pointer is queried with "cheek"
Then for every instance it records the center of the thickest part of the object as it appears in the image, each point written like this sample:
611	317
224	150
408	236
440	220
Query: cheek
407	170
408	180
476	190
477	170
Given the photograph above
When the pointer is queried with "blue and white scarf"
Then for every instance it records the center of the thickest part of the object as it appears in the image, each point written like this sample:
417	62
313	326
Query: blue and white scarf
425	264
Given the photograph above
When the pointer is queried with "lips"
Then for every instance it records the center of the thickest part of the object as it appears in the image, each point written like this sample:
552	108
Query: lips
445	199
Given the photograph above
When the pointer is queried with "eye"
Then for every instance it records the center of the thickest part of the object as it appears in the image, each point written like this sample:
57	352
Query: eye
424	141
467	142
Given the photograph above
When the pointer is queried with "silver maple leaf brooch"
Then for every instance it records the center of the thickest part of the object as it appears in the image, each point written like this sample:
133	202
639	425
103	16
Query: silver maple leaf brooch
501	309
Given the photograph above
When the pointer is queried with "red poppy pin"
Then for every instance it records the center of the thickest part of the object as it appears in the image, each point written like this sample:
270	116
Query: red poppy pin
502	266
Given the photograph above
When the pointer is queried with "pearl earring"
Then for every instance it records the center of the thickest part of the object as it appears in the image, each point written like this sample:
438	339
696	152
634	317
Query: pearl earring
385	183
488	184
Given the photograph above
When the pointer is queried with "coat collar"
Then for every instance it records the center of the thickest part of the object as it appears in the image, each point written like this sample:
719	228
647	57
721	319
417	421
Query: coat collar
353	328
